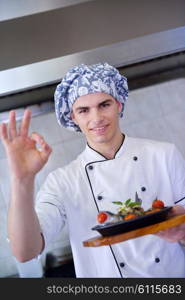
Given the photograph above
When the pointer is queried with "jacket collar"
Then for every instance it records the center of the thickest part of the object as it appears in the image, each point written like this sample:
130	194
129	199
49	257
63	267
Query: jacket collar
91	155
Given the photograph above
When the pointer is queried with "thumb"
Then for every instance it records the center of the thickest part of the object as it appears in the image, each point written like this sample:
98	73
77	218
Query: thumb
177	210
44	149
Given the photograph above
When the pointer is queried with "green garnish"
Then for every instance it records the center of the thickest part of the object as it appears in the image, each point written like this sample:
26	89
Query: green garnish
127	203
117	202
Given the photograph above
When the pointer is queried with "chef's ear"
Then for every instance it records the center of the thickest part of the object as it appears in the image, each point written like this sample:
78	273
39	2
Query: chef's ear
119	106
73	118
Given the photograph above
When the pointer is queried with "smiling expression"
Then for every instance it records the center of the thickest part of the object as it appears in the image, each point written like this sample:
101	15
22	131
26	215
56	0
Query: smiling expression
97	115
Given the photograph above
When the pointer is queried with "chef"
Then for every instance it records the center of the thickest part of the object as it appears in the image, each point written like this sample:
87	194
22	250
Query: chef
112	167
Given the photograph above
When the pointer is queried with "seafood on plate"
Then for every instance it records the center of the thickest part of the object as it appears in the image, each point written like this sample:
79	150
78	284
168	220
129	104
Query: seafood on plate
128	210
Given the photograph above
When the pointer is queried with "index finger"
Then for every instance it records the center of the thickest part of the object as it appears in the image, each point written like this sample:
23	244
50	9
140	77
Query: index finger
24	128
3	133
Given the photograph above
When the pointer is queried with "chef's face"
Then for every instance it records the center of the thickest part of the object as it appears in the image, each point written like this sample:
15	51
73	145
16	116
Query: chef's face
97	115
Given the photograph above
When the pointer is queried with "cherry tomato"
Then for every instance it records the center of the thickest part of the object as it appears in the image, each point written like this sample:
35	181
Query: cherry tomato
102	217
157	204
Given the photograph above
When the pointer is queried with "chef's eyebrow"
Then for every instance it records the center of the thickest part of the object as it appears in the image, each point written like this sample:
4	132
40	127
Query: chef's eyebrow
86	107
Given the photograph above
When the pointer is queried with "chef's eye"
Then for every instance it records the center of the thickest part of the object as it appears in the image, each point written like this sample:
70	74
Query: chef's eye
106	104
84	110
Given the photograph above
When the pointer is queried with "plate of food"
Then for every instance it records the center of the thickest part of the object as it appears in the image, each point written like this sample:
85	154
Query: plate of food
130	216
132	221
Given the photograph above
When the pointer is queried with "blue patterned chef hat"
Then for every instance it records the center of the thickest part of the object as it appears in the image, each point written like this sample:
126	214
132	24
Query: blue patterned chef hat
82	80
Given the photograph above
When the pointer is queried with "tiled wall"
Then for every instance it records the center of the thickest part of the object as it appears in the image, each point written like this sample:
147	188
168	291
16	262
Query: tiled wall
156	112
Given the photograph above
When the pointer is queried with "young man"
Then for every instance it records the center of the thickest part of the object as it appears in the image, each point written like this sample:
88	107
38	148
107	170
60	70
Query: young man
113	167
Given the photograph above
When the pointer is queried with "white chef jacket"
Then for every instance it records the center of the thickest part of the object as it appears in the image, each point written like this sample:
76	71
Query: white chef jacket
76	192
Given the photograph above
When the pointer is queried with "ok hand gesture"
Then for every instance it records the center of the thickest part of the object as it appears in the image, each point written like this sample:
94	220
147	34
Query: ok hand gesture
24	158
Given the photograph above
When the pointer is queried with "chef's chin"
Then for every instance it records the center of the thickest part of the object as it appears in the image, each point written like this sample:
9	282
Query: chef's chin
99	139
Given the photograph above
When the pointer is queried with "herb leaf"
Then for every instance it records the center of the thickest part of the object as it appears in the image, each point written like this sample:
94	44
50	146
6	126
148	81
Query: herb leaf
117	202
134	204
127	202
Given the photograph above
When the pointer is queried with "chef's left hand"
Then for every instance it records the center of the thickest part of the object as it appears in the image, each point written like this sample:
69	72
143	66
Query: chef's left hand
174	234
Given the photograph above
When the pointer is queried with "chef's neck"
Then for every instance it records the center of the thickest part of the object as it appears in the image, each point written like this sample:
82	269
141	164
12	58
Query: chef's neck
109	148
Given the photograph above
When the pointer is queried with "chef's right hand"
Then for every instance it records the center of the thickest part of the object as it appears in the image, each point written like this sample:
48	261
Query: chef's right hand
24	158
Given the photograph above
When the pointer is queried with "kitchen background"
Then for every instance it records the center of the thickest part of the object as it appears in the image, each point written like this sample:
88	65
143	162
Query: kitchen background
40	40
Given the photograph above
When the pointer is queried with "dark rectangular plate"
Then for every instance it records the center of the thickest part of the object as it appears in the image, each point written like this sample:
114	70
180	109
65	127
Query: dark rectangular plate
139	222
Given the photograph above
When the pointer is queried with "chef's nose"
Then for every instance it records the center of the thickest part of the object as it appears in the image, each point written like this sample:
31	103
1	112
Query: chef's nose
96	115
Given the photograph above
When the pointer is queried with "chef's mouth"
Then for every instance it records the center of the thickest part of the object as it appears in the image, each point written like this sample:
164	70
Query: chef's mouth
99	129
